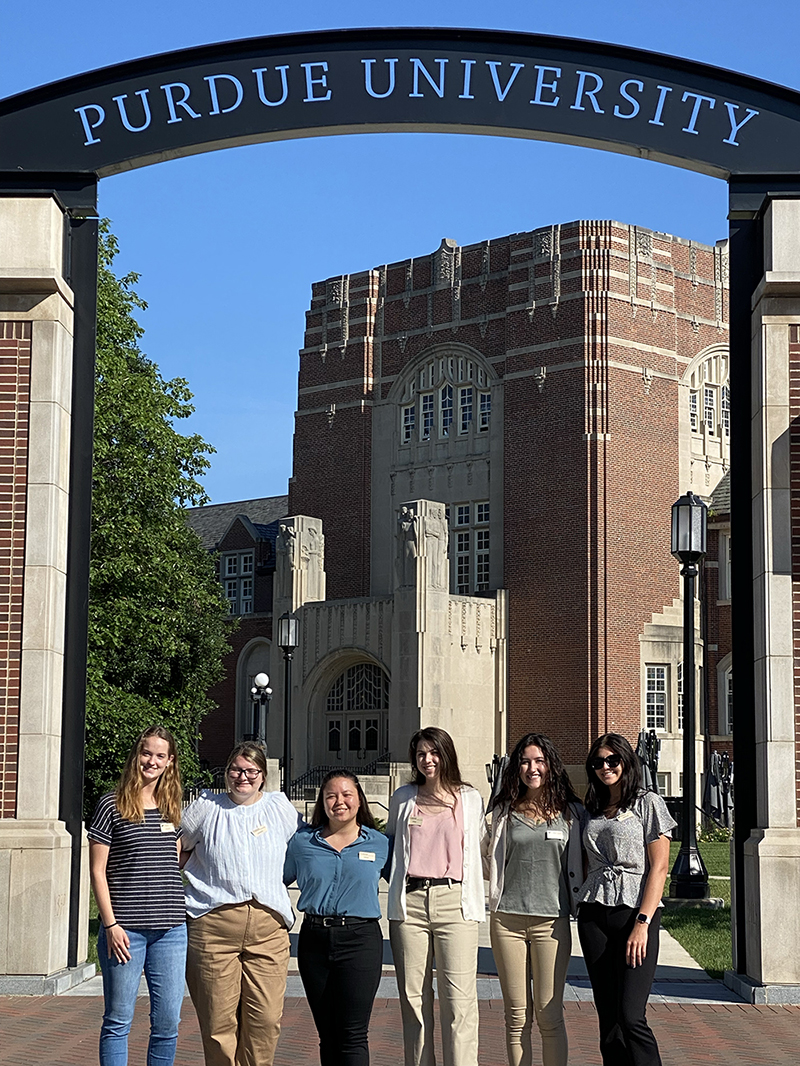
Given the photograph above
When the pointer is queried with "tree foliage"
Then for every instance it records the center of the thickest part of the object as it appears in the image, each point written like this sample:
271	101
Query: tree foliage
157	617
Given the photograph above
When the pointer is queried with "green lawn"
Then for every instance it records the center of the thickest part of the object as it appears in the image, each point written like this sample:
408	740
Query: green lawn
706	934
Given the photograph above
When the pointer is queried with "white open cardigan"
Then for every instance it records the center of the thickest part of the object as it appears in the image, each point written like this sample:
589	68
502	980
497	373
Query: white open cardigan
473	906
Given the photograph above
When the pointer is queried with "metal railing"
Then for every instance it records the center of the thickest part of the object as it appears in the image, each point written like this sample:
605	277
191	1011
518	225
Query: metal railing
313	778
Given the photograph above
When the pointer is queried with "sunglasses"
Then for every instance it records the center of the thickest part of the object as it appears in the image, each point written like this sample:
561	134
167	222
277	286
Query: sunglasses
611	761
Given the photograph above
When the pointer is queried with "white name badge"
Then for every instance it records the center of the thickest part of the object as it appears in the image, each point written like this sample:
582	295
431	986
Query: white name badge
623	815
415	819
167	827
259	829
367	856
553	834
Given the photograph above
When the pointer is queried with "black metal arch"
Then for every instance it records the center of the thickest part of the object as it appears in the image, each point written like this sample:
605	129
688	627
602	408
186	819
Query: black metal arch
60	139
349	81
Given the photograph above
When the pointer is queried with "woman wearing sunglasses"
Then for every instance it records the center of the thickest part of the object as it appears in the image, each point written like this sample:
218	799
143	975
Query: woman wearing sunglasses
626	837
239	911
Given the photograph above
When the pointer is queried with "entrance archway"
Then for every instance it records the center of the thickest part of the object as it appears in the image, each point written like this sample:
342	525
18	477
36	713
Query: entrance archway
57	141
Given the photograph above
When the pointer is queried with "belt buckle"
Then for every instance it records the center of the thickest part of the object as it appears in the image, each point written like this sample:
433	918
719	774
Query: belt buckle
328	922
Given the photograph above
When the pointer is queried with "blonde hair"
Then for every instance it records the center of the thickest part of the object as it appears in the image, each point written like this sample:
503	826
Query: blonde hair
168	792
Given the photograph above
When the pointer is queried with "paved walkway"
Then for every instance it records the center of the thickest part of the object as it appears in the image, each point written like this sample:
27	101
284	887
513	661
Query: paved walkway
697	1021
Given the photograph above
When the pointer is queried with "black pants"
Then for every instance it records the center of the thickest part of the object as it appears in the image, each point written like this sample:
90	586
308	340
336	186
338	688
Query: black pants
341	970
620	991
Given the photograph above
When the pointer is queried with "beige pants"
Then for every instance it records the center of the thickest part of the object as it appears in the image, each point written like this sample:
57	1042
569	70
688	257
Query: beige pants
236	968
534	952
434	926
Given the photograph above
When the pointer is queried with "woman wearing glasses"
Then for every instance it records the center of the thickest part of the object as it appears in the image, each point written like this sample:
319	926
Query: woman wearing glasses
239	911
626	837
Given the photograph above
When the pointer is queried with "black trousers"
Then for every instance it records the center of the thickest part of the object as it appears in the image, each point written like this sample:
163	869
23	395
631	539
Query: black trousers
620	991
341	969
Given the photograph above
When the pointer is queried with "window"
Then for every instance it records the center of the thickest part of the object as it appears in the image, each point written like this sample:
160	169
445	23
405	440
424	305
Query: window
463	514
484	411
481	513
470	548
725	696
462	563
426	429
726	411
237	568
465	409
728	696
710	409
656	698
663	784
434	393
694	420
482	560
724	566
357	705
679	674
447	409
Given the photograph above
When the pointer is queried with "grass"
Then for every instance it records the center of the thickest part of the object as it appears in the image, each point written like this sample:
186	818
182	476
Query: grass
706	934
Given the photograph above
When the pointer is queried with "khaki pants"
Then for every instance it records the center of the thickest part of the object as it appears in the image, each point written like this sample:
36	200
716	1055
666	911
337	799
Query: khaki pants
434	926
532	951
236	971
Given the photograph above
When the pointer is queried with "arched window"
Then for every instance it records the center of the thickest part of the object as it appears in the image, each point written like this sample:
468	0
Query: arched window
448	396
356	711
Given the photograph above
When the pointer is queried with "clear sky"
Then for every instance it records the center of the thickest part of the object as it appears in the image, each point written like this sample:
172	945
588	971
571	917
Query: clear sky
228	243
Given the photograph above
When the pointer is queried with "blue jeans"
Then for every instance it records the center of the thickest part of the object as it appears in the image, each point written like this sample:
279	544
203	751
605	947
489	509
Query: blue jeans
161	953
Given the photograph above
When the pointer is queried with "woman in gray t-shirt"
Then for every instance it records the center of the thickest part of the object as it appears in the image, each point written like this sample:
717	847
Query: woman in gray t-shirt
626	837
535	871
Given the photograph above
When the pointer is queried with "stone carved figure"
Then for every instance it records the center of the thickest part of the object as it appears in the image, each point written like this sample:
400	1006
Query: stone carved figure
436	540
422	531
408	536
287	541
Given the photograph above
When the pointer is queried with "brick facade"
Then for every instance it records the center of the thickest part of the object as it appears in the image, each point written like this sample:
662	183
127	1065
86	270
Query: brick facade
589	328
15	366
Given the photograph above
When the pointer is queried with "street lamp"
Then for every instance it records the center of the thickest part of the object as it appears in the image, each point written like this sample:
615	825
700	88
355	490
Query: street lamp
689	878
260	694
287	641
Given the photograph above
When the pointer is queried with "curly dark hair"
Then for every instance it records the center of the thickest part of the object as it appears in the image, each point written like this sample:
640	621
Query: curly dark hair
319	816
598	795
557	790
449	773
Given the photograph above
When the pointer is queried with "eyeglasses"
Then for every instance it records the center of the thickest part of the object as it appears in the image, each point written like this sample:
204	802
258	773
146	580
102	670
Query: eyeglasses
611	761
251	775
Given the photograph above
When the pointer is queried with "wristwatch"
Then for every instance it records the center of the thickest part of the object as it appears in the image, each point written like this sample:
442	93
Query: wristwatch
642	919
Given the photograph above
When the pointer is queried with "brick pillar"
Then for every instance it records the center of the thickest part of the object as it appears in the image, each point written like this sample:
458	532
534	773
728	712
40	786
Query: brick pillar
36	329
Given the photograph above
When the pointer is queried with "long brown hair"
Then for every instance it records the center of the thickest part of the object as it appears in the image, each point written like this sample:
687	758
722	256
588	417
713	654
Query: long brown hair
598	795
168	793
557	790
363	815
449	773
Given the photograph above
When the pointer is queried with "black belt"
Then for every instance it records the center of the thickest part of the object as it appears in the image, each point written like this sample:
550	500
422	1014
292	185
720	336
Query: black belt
413	884
337	920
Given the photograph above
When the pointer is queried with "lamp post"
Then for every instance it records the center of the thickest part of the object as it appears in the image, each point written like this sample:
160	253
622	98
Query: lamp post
260	694
689	878
287	642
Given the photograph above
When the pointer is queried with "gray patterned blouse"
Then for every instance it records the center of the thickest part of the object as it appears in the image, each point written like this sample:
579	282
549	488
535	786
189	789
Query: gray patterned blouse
617	851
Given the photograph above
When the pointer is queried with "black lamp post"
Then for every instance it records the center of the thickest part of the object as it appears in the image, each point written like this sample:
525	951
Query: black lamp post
287	642
260	694
689	879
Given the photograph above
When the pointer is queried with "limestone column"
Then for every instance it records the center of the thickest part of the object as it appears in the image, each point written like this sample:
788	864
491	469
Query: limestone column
772	853
299	579
36	330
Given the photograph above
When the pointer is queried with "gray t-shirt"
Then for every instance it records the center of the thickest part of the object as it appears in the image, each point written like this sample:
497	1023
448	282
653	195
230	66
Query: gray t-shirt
616	849
535	880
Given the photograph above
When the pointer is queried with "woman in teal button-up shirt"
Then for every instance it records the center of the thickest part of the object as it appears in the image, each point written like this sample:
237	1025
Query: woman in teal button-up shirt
337	863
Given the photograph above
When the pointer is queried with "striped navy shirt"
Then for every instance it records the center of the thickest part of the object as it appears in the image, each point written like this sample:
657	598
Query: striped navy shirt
144	881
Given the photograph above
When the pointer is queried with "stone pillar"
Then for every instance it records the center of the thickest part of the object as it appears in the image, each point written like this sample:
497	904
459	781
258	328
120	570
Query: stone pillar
36	326
420	634
299	579
772	853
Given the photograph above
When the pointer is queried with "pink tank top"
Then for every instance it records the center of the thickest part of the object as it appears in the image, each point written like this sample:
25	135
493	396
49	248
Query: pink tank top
436	843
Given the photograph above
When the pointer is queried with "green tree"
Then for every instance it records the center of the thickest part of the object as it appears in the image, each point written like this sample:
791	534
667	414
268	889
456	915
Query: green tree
157	617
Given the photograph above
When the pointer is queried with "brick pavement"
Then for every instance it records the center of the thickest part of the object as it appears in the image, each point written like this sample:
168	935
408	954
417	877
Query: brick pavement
62	1031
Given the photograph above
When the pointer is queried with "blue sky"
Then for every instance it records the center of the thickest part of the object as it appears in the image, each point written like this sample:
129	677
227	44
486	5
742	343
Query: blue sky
228	243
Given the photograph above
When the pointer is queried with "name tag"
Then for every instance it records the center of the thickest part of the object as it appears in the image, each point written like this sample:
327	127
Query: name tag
623	815
259	829
167	827
415	819
553	834
367	856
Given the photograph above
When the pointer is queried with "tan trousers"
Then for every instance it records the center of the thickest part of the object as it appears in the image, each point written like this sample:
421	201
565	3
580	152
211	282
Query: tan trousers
534	952
236	969
434	926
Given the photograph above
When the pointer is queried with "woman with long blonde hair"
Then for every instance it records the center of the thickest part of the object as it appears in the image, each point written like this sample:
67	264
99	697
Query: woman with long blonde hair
134	846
